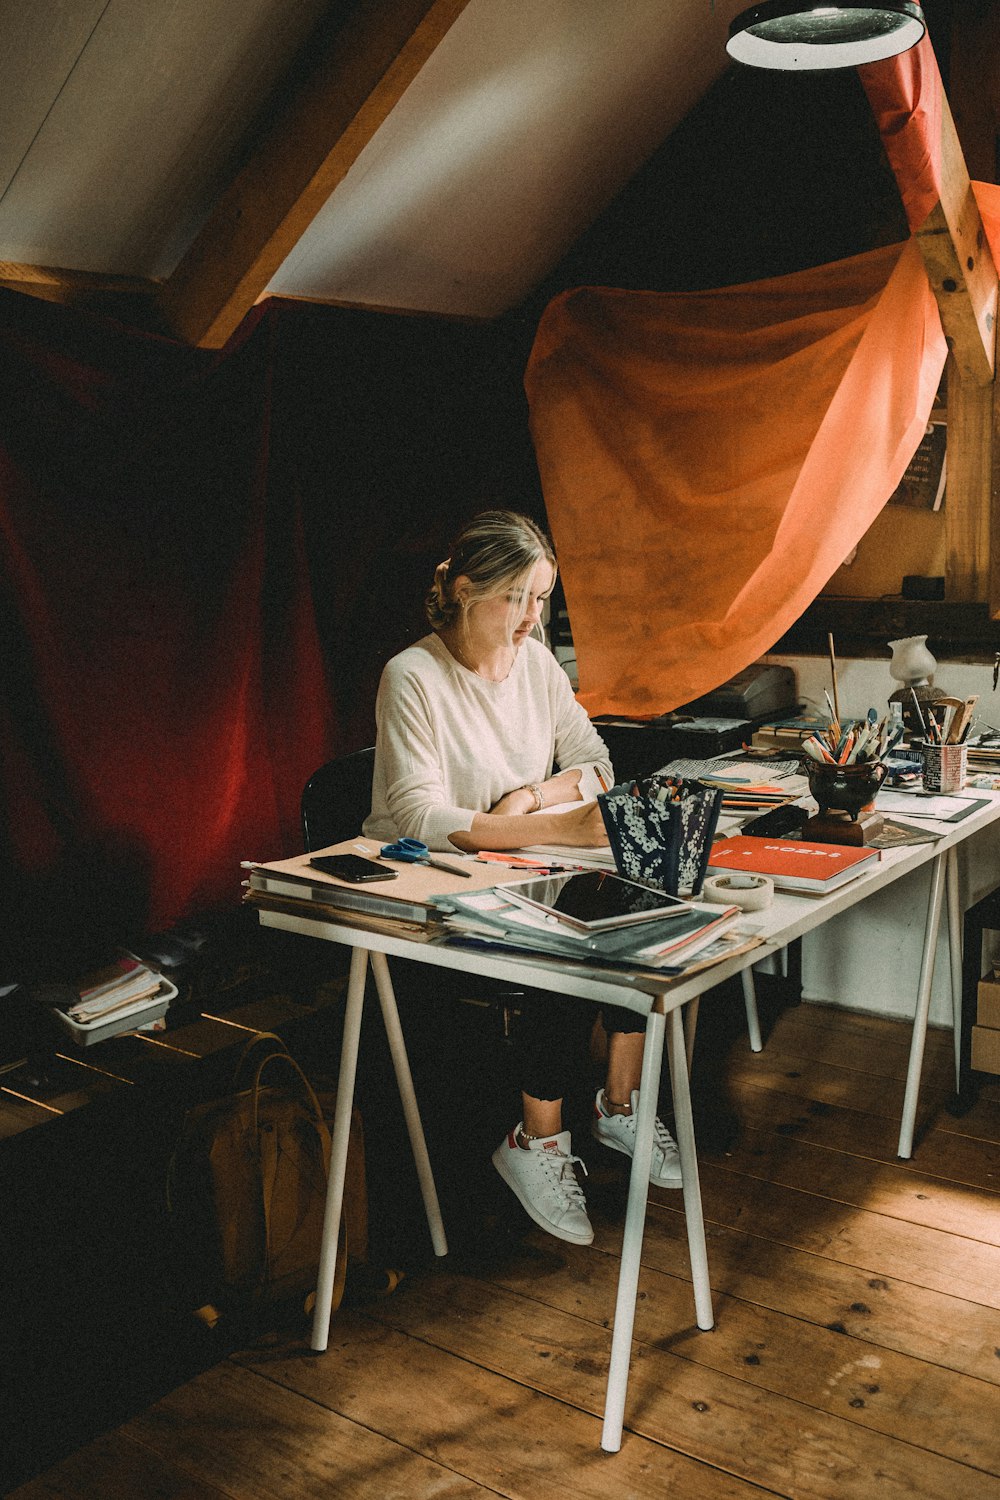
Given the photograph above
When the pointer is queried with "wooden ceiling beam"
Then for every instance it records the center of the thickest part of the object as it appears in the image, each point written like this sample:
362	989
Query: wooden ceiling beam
972	506
991	463
58	284
963	275
131	300
967	505
356	74
959	263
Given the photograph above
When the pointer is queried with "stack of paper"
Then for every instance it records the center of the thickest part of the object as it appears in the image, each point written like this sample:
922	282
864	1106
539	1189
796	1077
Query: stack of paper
119	997
749	794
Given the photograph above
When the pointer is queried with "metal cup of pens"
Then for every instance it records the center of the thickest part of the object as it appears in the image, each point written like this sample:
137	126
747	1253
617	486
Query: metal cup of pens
945	766
944	747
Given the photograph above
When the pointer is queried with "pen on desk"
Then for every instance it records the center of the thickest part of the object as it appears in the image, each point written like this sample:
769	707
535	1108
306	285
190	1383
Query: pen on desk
528	866
518	861
546	869
440	864
425	860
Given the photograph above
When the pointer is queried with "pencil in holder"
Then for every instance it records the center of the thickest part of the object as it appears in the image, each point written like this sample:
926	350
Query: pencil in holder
945	766
660	829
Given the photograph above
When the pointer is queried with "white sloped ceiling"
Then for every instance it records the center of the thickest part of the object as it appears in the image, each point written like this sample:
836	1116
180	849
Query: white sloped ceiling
121	120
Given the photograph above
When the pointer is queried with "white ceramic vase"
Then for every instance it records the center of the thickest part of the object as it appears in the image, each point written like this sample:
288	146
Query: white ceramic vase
912	664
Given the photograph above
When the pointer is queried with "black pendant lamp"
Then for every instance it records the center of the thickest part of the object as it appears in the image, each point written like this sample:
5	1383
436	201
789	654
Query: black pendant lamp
793	35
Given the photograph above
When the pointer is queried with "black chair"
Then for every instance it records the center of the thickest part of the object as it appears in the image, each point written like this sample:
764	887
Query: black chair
337	798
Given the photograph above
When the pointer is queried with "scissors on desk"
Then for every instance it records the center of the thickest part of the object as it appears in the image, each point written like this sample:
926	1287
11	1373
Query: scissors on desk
415	852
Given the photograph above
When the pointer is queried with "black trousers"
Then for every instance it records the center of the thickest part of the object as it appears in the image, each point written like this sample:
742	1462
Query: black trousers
552	1033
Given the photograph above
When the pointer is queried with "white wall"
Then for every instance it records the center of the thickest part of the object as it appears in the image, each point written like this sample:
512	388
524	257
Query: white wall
867	684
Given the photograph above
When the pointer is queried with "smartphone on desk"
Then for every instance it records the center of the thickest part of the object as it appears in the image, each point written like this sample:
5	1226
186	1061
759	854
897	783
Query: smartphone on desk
352	867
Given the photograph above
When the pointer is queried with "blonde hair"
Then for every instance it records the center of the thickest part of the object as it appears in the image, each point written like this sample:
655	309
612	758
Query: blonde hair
497	552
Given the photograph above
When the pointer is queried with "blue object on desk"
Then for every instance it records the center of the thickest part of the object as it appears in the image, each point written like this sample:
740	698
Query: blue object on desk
416	852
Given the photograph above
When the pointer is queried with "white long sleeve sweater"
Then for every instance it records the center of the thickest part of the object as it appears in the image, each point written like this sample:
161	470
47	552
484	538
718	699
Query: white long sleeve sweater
451	744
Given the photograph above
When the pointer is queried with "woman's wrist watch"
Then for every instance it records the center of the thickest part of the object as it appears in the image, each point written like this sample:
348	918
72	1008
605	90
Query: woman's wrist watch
536	791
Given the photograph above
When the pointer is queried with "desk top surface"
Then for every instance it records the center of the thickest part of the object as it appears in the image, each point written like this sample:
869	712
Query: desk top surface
789	917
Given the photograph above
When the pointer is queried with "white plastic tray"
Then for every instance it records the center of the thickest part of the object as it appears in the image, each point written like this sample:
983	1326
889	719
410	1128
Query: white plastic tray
143	1011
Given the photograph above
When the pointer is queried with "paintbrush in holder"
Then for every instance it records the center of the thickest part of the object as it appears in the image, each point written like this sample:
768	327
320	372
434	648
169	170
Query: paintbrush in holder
845	769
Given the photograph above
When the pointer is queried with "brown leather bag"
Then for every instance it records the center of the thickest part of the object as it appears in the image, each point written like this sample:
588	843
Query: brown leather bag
247	1189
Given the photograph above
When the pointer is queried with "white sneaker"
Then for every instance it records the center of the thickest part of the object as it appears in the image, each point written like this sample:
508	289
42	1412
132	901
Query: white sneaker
543	1180
618	1132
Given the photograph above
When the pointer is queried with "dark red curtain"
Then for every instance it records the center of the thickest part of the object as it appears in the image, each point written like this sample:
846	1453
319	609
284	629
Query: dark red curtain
392	429
206	560
163	696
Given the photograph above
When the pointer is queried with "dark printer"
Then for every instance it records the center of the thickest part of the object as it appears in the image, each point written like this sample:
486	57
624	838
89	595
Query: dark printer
758	692
755	694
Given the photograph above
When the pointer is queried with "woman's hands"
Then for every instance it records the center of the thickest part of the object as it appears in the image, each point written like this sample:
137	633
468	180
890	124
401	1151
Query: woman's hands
507	826
562	788
513	804
582	826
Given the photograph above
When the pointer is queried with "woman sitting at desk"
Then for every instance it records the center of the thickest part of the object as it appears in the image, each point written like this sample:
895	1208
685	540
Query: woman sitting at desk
471	721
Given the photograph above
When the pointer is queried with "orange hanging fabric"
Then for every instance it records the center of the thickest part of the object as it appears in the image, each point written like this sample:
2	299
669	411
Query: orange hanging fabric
709	459
905	97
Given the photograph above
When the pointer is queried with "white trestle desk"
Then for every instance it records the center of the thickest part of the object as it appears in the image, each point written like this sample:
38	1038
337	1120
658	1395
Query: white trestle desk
663	1002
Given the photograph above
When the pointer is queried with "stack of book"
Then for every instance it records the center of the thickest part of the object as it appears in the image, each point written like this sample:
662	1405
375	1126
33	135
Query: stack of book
495	907
122	996
598	919
401	903
983	755
904	767
788	734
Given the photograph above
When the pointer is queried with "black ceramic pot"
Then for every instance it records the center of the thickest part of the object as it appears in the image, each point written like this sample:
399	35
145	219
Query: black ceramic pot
848	789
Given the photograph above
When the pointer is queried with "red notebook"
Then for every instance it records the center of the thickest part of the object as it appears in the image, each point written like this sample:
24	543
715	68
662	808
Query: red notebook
793	864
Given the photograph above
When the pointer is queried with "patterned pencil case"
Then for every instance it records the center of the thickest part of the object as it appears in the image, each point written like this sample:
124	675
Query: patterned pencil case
661	829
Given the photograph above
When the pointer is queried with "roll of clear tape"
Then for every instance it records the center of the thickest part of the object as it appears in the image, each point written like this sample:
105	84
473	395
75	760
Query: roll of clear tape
749	892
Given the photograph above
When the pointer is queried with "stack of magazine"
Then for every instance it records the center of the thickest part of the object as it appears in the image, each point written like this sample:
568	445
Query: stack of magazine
597	918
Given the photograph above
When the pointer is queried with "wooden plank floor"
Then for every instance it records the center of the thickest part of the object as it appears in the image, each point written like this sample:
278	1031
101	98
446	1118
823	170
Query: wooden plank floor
856	1352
